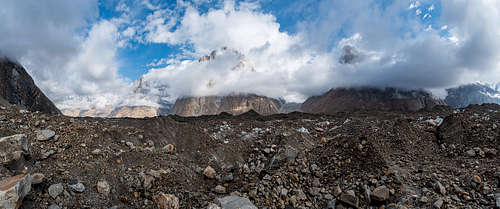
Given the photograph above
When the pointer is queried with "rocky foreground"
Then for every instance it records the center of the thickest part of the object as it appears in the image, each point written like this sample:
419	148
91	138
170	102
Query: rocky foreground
442	158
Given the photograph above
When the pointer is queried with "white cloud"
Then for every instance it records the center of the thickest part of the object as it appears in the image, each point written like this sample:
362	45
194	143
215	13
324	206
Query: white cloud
431	8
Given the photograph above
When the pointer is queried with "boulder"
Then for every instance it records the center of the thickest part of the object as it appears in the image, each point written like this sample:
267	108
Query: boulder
44	135
380	193
13	190
13	148
166	201
350	199
235	202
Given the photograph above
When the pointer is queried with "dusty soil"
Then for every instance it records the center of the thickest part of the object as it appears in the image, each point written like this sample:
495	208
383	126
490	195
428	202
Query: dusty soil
359	151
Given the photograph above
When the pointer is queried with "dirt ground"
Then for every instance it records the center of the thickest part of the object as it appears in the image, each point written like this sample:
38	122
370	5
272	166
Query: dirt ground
291	160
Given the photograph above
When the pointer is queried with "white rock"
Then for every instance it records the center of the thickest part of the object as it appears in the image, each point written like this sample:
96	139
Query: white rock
12	148
103	187
13	190
235	202
44	135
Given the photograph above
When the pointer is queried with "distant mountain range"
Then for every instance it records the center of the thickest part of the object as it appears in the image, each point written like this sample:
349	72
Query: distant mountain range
17	87
367	98
475	93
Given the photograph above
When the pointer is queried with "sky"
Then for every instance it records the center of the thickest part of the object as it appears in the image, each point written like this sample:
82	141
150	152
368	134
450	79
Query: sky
88	53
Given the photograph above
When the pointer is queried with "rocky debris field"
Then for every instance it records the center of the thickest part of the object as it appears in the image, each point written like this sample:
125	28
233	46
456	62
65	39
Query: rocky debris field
442	158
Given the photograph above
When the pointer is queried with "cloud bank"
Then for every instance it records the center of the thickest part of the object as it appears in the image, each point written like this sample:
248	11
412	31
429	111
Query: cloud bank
408	44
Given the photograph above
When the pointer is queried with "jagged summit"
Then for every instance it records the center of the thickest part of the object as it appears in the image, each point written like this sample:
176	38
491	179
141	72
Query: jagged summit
474	93
18	88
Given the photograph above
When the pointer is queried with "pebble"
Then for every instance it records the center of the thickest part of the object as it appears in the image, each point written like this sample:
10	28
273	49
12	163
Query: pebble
209	172
37	178
166	201
380	193
471	153
235	202
438	204
78	187
44	135
55	190
350	199
103	187
54	206
169	148
477	179
220	189
337	191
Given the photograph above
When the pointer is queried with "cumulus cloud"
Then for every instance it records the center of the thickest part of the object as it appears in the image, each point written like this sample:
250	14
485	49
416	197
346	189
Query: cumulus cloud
70	54
295	66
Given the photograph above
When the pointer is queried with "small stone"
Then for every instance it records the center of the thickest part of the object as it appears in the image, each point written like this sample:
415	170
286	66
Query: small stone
213	206
438	204
103	187
37	178
337	191
350	199
54	206
380	193
498	202
331	204
13	190
235	202
471	153
166	201
209	172
229	177
169	148
291	153
323	140
220	189
44	135
96	152
130	144
441	188
55	190
78	187
477	179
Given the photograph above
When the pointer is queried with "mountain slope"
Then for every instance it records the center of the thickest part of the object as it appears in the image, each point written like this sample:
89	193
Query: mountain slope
18	88
475	93
388	99
233	104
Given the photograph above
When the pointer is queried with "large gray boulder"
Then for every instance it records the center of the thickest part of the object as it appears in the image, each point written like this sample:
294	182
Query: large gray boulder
235	202
13	148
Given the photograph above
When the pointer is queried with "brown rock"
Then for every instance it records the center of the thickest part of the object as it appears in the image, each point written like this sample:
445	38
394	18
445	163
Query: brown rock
477	179
380	193
209	172
166	201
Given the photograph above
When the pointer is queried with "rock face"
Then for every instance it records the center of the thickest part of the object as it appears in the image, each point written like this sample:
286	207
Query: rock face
233	104
118	112
18	88
13	190
353	99
476	93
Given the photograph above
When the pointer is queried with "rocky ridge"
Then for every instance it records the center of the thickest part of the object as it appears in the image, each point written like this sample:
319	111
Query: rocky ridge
367	98
475	93
17	87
